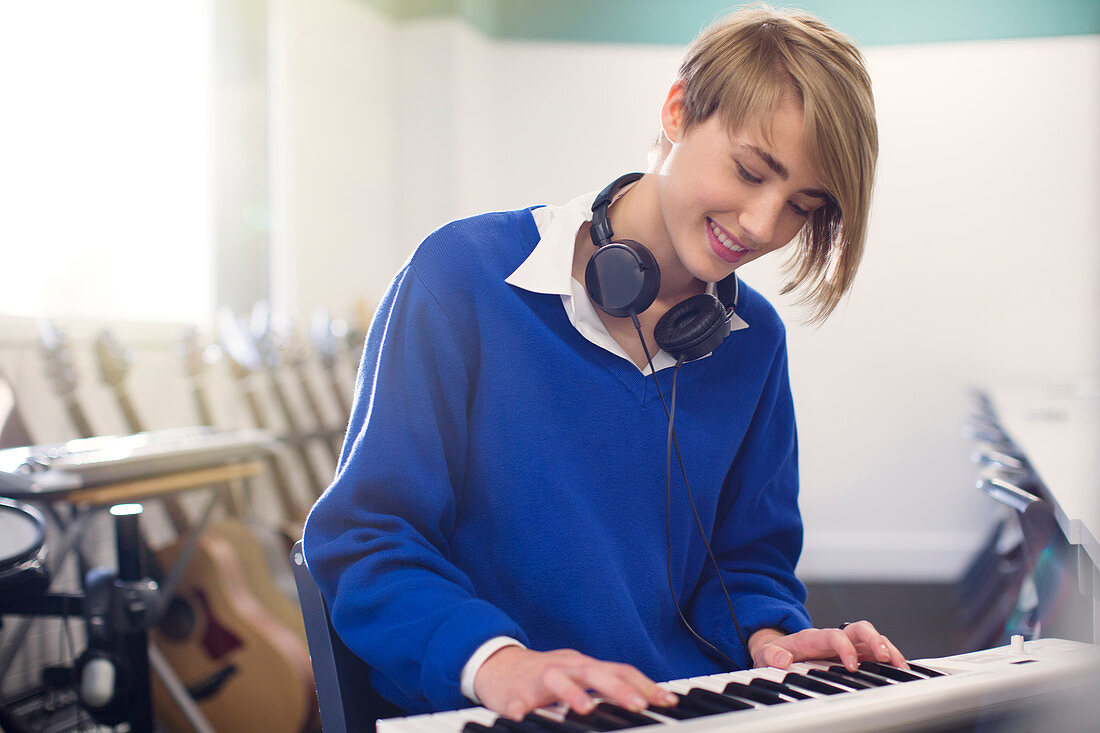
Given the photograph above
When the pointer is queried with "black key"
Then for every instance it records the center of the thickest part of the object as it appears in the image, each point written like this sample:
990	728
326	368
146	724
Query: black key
887	670
773	686
925	671
838	680
635	719
597	720
699	705
507	725
473	727
717	698
860	676
675	712
755	694
551	725
808	683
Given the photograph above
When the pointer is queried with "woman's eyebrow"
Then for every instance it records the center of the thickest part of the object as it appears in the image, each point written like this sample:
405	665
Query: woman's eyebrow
782	172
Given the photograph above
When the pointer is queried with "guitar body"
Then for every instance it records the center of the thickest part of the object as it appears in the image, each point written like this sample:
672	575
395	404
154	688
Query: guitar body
246	669
269	576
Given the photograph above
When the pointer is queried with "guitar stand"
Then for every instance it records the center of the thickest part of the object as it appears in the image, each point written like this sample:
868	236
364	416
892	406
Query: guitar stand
135	605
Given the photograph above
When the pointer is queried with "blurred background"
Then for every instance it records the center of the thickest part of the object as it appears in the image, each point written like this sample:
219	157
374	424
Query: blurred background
162	160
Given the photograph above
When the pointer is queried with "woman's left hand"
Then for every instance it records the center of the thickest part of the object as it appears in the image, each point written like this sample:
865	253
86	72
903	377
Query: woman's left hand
855	642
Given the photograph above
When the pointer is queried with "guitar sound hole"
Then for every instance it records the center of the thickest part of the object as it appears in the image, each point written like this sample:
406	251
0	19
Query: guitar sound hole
178	622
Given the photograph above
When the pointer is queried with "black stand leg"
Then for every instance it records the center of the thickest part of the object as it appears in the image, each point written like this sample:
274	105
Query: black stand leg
135	638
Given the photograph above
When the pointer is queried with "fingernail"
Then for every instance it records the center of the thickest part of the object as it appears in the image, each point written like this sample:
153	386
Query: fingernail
636	702
670	699
784	658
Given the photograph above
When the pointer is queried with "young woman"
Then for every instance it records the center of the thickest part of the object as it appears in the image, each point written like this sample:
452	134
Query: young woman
514	522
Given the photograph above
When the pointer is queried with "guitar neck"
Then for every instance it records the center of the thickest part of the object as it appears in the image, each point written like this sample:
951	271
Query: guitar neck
202	402
338	391
78	416
291	510
133	422
177	515
330	436
298	436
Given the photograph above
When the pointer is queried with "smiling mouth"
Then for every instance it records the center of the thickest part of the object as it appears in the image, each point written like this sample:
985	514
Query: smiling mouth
726	239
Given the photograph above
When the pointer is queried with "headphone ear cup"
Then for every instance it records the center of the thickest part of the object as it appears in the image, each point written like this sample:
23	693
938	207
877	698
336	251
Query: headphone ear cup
622	278
693	328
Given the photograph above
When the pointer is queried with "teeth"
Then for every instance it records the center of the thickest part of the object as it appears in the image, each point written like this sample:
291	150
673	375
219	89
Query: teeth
724	239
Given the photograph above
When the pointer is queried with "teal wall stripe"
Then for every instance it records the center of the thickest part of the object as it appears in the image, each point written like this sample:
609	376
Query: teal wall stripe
870	22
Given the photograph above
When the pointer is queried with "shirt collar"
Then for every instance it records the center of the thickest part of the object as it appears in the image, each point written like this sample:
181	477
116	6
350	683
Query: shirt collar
549	270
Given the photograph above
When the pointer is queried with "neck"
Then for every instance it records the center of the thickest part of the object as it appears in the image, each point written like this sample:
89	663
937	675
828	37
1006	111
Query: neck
637	215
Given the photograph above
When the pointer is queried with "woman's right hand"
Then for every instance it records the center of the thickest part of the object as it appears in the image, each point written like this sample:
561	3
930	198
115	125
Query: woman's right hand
513	681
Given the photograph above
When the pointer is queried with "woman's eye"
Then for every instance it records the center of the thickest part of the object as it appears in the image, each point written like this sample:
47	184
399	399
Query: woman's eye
799	210
744	173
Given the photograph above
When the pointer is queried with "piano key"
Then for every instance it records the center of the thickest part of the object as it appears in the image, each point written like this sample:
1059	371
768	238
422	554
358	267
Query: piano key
838	680
779	687
809	683
472	727
752	694
675	712
596	720
925	671
636	719
507	725
717	698
869	679
886	670
552	725
699	705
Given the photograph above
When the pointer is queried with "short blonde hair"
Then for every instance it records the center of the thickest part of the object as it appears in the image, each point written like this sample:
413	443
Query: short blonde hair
741	68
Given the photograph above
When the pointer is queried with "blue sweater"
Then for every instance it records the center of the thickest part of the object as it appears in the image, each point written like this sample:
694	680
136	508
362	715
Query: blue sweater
502	475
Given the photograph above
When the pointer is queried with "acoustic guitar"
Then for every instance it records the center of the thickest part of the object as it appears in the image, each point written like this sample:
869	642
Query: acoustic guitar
258	545
247	366
325	334
269	344
225	648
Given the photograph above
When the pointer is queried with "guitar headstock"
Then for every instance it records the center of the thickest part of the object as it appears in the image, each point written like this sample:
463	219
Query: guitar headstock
278	341
323	334
58	353
113	359
193	355
238	344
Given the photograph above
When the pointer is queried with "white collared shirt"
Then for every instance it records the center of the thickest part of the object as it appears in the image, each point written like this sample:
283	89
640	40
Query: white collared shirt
549	270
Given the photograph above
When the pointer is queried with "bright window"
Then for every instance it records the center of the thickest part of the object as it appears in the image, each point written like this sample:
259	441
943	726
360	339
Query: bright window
105	164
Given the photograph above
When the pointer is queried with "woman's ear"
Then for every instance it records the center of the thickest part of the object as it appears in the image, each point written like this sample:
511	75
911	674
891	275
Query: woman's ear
672	113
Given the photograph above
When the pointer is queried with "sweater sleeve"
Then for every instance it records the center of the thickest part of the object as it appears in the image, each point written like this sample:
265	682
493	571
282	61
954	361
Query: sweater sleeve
758	533
377	540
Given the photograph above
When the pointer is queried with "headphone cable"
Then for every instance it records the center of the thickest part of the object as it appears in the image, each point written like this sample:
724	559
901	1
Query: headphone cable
670	443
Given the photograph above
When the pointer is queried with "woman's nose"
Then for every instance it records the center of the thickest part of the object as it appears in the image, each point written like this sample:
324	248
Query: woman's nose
760	219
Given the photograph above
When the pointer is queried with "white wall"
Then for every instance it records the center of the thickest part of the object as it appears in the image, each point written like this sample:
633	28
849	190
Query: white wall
982	263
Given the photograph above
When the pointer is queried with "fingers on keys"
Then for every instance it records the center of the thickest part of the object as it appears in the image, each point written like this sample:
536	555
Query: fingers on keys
576	680
870	644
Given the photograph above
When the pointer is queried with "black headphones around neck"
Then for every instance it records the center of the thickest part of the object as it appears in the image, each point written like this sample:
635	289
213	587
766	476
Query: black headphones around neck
623	279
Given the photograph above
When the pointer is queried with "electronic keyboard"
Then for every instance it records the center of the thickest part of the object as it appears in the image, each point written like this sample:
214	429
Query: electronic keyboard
110	459
1040	682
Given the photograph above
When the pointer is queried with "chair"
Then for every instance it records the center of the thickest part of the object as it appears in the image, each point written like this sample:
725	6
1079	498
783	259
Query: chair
347	702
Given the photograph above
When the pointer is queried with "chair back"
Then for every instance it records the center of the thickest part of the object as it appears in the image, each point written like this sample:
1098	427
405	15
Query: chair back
347	702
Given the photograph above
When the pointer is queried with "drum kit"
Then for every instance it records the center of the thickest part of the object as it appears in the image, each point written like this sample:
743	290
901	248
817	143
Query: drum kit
118	607
22	549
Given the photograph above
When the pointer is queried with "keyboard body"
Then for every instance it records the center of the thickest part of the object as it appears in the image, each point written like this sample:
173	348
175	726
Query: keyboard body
1051	683
90	462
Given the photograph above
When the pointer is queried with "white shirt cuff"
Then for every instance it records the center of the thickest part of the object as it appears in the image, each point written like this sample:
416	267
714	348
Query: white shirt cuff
469	671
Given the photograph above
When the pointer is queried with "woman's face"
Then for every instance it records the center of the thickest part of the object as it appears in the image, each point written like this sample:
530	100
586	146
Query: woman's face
727	199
